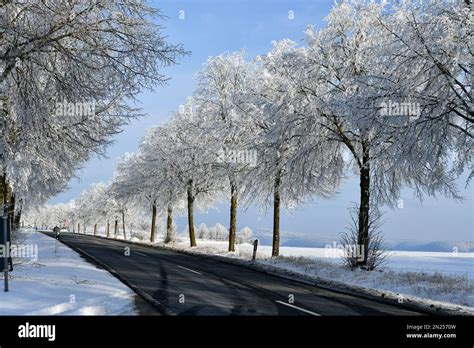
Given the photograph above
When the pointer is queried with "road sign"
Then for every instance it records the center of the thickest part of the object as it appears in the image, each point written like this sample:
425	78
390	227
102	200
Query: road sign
56	231
5	245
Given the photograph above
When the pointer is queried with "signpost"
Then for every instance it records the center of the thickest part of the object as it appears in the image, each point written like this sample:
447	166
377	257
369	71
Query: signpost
5	243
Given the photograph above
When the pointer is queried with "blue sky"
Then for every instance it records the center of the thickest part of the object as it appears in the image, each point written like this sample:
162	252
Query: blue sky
212	27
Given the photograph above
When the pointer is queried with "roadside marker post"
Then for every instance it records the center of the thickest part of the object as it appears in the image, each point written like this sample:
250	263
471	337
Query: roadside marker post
255	246
56	231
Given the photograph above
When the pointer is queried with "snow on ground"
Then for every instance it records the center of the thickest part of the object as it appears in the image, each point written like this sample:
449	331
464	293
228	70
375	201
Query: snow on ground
60	282
439	276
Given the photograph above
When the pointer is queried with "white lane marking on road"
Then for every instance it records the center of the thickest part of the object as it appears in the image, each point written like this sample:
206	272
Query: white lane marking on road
190	270
298	308
136	252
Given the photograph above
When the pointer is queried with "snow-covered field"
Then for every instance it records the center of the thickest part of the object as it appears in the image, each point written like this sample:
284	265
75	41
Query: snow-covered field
445	277
60	282
458	264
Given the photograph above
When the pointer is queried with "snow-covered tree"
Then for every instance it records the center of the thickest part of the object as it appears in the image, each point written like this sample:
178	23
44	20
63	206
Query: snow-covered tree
429	46
86	204
183	149
283	175
68	71
383	90
160	185
223	89
346	85
203	231
49	216
245	234
130	186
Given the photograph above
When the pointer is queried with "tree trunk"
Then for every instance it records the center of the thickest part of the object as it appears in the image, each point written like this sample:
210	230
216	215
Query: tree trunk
363	232
123	225
169	225
8	200
84	228
17	218
4	196
108	229
276	215
95	229
116	229
73	227
78	227
11	211
153	222
233	216
192	236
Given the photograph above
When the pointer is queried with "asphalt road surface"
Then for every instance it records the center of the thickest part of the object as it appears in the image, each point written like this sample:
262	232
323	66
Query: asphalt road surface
191	285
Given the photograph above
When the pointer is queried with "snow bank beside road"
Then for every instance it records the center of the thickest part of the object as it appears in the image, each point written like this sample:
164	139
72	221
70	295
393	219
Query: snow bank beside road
60	282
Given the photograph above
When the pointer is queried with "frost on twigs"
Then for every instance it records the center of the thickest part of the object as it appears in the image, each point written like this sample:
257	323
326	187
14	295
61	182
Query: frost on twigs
68	72
353	250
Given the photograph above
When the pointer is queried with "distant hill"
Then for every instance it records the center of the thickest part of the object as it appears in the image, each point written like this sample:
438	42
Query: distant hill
445	246
311	241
